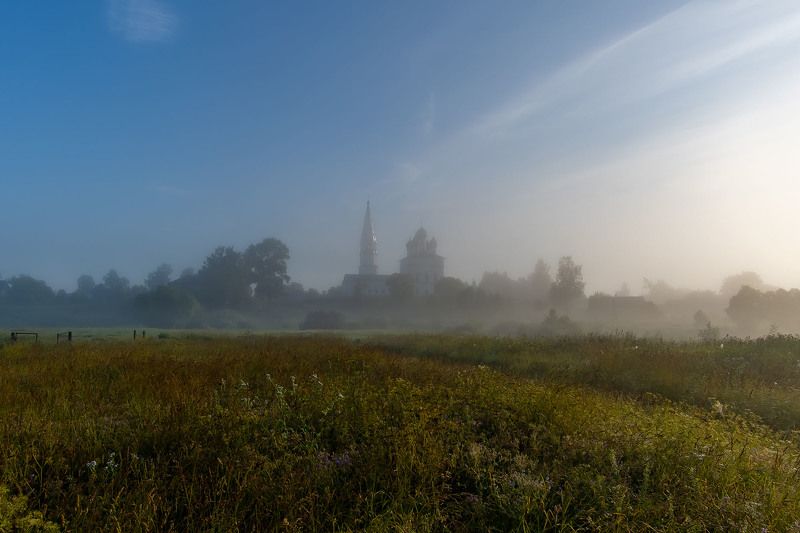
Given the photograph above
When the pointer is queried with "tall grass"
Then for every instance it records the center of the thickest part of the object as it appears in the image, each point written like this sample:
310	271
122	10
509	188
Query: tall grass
758	378
326	434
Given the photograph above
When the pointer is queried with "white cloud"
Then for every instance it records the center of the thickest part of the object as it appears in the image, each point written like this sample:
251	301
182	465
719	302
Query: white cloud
141	20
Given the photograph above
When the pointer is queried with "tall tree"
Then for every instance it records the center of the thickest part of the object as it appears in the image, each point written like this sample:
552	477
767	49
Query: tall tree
540	281
116	283
266	267
159	277
86	285
25	290
568	287
732	284
401	287
223	280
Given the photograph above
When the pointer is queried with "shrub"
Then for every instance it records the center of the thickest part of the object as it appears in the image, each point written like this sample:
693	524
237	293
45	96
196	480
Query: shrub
323	320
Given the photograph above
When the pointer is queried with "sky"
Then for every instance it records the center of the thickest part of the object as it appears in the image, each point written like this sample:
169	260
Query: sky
644	139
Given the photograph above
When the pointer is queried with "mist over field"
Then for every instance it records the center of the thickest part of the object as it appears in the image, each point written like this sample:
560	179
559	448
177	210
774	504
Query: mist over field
654	145
416	266
657	144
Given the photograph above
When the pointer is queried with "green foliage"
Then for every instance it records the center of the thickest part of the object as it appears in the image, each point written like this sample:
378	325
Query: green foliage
401	287
557	326
567	289
223	281
159	277
25	290
402	433
15	516
266	265
165	306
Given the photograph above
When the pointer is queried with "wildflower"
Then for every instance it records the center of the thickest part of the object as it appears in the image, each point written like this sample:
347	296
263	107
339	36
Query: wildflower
91	465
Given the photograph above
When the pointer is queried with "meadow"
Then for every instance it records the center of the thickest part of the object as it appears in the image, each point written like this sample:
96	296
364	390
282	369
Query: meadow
400	433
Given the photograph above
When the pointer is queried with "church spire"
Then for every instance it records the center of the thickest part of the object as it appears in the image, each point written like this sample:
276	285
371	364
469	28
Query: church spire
369	246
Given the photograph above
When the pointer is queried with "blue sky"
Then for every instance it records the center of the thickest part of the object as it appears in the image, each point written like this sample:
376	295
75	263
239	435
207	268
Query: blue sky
646	139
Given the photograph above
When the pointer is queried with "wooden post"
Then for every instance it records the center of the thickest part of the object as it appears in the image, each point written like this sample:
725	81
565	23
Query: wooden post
134	334
69	336
144	334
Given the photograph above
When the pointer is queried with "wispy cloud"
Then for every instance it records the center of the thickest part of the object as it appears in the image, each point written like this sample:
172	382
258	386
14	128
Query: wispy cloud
674	50
141	21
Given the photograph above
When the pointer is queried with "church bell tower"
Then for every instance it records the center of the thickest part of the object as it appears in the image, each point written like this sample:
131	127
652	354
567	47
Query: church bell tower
369	246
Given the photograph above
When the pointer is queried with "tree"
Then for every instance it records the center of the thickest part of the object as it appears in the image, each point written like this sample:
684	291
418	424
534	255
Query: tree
165	306
540	281
401	287
26	290
449	289
223	281
86	285
701	319
499	284
568	287
115	283
558	326
266	267
159	277
732	284
623	291
746	308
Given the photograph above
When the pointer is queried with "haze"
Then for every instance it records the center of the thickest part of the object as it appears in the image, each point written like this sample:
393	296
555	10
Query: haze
652	140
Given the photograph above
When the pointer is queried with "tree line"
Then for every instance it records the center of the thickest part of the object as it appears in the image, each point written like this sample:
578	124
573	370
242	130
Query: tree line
227	279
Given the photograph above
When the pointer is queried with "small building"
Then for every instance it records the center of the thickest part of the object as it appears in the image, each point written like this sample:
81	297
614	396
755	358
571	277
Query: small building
422	264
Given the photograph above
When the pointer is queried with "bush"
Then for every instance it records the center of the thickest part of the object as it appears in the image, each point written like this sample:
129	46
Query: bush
15	516
323	320
165	306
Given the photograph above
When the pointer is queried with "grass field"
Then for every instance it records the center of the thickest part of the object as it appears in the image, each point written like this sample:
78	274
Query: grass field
406	433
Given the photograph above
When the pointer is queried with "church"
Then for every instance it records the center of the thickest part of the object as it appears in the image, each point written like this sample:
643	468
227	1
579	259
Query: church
422	264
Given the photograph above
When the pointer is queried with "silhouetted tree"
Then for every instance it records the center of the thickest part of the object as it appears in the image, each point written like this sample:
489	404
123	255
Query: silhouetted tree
26	290
86	285
224	280
449	289
165	306
266	266
500	284
746	308
540	282
732	284
568	287
115	283
661	292
701	319
159	277
401	287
